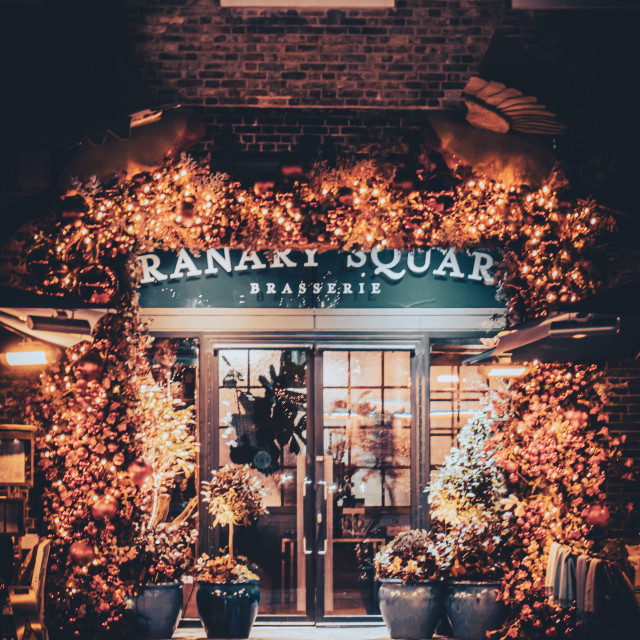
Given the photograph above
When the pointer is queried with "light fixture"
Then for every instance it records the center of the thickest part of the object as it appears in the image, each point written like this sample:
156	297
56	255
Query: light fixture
578	336
28	354
25	358
446	377
60	324
503	371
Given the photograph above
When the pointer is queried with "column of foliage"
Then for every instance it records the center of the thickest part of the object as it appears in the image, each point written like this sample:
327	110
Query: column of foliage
170	449
87	410
466	506
557	452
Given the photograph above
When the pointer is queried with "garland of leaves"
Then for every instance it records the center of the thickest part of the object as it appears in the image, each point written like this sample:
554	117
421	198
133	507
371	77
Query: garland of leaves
545	238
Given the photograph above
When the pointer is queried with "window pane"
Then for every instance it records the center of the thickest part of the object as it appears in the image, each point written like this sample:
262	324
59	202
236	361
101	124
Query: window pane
335	371
260	360
366	406
440	447
234	363
228	405
366	368
397	371
335	407
397	407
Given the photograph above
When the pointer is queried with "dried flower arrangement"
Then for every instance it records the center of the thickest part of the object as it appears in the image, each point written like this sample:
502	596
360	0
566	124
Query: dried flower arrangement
412	556
233	496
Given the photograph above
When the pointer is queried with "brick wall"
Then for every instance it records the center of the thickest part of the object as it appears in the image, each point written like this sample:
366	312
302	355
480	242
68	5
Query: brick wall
624	419
416	57
346	74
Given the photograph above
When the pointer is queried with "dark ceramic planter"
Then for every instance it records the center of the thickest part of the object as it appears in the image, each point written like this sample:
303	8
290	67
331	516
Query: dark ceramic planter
411	611
473	608
228	609
157	609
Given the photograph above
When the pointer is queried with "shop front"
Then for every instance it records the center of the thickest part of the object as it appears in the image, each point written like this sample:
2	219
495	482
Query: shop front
338	377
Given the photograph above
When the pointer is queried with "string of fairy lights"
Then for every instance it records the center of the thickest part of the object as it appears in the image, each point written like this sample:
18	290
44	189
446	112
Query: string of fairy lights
544	237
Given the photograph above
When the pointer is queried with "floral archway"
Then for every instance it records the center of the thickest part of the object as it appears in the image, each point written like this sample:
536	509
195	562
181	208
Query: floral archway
89	405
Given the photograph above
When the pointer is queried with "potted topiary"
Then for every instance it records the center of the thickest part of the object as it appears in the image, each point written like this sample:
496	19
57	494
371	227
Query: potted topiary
411	593
164	548
473	531
228	591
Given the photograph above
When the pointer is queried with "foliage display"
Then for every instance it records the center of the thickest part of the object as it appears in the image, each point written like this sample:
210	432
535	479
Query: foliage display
553	444
557	453
87	408
223	568
169	447
544	236
466	506
411	556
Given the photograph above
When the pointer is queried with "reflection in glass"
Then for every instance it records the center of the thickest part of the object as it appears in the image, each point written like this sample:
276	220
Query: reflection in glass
367	460
262	412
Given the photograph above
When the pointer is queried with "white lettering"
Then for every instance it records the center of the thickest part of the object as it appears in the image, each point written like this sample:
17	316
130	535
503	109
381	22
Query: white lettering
281	259
286	289
255	287
361	287
346	287
331	287
223	260
351	262
254	258
302	288
411	262
150	263
482	262
185	262
271	287
317	287
381	267
449	262
375	287
311	258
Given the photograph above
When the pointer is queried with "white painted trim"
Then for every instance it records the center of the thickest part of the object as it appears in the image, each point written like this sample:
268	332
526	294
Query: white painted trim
308	4
321	320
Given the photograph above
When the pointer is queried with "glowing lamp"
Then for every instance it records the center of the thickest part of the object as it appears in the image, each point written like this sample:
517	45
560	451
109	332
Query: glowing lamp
506	372
28	354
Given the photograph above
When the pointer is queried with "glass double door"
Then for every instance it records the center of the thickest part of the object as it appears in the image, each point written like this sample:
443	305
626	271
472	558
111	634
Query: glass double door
329	433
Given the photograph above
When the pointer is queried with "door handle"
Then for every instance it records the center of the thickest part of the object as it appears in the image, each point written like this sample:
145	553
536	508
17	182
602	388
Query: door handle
324	488
307	552
324	550
305	482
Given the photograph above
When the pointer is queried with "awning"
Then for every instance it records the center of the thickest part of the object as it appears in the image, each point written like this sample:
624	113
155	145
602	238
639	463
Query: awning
605	326
58	321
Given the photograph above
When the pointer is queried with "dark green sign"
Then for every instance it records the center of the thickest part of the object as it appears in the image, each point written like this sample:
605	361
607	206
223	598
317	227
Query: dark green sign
231	278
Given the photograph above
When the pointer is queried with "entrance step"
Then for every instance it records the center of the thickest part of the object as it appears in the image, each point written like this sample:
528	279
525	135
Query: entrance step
290	632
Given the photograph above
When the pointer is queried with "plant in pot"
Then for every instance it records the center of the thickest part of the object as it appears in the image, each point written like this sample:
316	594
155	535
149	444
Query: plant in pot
165	548
411	593
473	531
270	422
228	591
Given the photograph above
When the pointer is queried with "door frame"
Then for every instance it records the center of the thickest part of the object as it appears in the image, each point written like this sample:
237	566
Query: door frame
315	344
